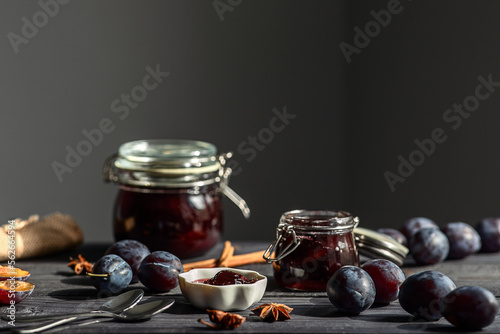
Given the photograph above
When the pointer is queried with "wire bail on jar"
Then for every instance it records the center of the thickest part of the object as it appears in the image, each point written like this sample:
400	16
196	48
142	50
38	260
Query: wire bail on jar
282	231
134	167
224	173
108	172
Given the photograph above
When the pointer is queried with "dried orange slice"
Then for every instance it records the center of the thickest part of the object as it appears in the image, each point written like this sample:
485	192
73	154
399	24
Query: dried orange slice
12	291
7	273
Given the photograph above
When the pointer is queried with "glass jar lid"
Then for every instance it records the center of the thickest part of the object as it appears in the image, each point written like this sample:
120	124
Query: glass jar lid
168	156
318	220
170	163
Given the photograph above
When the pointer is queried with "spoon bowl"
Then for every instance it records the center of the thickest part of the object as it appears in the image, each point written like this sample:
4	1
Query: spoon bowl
122	302
144	311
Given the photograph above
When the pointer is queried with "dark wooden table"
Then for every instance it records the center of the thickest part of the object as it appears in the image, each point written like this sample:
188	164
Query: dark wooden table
58	290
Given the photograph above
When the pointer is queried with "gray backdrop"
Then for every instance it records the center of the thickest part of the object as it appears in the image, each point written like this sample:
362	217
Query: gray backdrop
360	81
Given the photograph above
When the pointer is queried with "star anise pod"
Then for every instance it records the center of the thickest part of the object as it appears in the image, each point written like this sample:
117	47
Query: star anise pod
273	312
223	320
80	265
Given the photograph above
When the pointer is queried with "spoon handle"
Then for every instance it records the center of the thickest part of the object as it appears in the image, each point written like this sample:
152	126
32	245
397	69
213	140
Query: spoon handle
43	327
37	318
66	327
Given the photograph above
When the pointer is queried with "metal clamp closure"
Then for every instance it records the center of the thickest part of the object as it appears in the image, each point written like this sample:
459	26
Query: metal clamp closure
108	172
283	231
224	173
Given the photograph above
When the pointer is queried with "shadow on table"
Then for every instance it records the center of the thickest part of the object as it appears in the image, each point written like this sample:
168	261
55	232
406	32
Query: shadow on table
317	309
273	289
429	327
409	323
182	306
319	312
325	311
391	318
77	294
77	280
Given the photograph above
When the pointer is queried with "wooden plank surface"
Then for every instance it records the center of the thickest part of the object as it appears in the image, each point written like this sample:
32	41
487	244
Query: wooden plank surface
58	290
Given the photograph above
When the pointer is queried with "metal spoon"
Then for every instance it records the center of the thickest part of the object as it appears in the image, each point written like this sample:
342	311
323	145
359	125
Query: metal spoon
138	313
117	304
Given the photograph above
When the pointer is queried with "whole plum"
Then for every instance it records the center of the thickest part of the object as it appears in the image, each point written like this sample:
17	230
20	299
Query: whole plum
463	239
387	277
489	231
429	246
421	294
111	274
132	251
351	290
395	234
412	225
470	307
159	271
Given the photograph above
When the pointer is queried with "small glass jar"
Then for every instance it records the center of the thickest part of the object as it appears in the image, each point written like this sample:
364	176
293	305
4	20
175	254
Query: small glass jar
170	195
310	246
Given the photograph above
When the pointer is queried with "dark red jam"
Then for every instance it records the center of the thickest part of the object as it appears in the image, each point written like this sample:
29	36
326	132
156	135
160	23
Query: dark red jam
310	266
184	222
226	277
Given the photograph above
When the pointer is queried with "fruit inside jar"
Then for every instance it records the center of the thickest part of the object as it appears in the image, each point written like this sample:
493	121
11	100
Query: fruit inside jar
184	222
314	261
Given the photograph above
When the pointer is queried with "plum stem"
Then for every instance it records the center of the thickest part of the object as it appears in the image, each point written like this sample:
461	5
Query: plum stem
97	275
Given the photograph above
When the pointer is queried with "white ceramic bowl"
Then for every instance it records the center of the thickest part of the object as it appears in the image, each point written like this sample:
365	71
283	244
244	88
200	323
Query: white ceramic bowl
235	297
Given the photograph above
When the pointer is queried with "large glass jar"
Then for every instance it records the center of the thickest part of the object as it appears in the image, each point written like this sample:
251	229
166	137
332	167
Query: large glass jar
170	195
310	246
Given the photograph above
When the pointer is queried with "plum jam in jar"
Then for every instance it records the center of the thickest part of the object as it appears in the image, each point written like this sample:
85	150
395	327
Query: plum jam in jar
310	246
170	194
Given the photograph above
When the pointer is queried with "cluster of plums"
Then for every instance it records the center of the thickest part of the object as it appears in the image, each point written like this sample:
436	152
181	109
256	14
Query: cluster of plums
427	295
130	261
431	295
430	244
354	289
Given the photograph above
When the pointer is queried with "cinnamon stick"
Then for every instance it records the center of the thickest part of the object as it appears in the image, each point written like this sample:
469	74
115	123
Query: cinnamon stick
227	253
210	263
233	261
